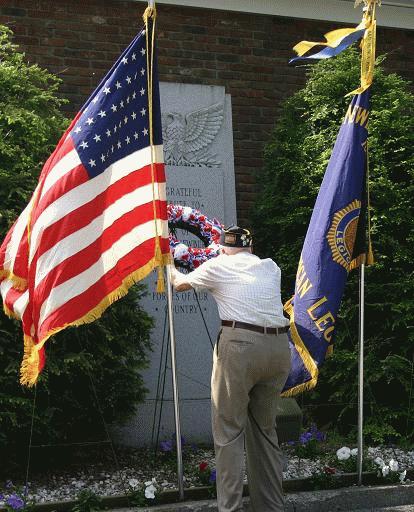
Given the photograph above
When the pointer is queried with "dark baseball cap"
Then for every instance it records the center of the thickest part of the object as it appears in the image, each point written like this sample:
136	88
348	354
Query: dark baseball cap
235	236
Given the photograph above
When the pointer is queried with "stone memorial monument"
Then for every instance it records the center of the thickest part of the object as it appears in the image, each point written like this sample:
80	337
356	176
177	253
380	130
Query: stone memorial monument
198	152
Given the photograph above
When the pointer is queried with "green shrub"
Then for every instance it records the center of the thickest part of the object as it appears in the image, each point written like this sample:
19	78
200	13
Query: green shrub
103	358
295	161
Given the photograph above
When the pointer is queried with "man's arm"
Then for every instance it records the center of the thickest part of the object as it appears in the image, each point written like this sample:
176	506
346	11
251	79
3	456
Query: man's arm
178	280
202	278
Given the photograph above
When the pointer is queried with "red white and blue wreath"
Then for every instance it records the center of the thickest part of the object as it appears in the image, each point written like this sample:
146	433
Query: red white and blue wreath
193	221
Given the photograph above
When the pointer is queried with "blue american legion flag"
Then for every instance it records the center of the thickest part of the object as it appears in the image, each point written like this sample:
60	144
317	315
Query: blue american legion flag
97	221
334	244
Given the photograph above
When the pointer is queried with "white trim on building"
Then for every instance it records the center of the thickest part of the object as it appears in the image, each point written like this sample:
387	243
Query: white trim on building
392	13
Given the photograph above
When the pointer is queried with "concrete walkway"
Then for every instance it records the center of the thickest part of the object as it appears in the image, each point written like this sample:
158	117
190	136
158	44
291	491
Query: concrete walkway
398	498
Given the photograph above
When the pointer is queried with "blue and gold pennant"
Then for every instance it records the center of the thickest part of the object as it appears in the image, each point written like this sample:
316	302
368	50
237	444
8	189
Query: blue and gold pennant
335	42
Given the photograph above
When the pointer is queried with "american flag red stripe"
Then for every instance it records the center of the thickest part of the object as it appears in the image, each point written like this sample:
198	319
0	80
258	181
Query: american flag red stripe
82	216
82	260
97	221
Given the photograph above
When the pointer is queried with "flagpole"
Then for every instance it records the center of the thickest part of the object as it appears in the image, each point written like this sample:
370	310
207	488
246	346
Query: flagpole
175	389
180	476
367	76
361	372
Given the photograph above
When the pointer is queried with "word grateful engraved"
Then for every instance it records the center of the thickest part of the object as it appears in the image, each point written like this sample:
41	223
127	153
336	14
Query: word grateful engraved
187	139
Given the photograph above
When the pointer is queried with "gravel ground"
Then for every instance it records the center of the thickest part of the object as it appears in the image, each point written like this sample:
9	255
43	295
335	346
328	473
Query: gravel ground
139	466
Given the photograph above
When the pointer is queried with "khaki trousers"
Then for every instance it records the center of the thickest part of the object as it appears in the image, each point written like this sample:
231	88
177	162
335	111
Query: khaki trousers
249	372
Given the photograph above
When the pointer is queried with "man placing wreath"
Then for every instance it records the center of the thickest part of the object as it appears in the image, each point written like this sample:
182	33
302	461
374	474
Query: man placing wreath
251	363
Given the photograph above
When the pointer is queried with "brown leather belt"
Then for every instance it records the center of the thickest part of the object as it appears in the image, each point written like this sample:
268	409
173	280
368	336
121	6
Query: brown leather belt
256	328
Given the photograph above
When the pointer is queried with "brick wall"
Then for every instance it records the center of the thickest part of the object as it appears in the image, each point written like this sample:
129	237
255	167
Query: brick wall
248	54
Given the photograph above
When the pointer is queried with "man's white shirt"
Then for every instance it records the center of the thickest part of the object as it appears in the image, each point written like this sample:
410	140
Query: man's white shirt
245	287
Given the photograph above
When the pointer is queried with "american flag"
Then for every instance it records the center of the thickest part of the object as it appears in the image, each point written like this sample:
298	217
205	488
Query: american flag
97	221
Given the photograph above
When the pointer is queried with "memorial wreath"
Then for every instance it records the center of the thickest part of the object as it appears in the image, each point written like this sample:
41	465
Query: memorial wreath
193	221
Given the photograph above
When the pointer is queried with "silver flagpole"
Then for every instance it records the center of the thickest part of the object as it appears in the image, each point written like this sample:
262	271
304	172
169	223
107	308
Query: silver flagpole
180	474
361	372
175	389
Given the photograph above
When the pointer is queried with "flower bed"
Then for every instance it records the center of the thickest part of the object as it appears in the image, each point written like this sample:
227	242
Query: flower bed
144	478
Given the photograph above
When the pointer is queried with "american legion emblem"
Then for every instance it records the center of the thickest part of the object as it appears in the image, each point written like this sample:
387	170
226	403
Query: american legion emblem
342	233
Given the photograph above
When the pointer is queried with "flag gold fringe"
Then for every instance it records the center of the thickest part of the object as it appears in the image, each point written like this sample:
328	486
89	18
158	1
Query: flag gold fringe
20	283
158	260
368	45
9	312
151	13
357	262
29	370
160	281
307	359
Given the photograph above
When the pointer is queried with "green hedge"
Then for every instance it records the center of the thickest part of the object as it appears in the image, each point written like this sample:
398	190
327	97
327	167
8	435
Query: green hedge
295	161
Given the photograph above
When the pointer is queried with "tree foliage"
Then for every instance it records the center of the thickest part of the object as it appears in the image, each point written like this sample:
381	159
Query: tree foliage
295	161
92	372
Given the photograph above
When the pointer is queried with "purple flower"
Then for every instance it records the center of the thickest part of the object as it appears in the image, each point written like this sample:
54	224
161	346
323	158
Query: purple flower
166	446
320	436
1	497
305	437
291	443
15	502
213	476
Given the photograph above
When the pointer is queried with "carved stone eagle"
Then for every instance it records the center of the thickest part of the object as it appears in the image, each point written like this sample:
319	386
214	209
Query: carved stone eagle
187	138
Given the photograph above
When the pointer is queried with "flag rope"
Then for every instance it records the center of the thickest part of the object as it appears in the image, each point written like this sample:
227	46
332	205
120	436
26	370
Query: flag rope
368	48
151	13
370	255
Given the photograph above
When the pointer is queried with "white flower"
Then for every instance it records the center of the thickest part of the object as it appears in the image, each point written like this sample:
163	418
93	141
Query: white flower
403	475
354	452
379	461
385	470
393	465
133	482
150	492
180	250
343	453
187	211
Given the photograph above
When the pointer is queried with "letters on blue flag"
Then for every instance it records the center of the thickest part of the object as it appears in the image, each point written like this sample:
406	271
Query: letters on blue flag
334	244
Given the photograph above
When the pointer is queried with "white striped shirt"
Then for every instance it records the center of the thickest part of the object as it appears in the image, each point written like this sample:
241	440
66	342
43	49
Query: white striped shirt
245	287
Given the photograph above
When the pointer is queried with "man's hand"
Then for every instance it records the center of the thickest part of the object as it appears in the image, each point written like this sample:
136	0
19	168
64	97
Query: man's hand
178	280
